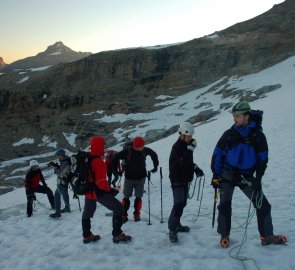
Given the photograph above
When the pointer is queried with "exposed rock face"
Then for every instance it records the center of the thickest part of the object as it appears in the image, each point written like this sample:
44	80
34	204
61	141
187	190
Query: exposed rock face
127	81
53	55
2	63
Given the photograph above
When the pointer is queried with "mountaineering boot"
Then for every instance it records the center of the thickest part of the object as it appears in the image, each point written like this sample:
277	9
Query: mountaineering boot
55	215
173	237
181	228
121	238
91	238
66	210
224	241
274	239
136	217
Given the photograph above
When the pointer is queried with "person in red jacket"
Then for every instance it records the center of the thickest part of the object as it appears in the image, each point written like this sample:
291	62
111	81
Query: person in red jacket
102	193
32	186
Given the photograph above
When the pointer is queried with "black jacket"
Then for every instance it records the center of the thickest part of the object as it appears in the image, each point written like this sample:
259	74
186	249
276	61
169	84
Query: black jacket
135	166
181	165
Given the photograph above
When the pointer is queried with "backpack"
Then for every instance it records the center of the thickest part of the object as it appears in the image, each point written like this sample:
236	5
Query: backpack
80	166
256	116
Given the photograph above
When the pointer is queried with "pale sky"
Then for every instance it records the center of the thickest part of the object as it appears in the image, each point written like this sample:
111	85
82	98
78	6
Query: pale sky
27	27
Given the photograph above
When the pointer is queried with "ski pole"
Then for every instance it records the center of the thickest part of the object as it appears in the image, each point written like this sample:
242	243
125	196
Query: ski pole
161	180
214	206
149	203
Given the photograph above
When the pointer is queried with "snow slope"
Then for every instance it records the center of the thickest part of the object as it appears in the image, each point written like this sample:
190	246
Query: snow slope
41	243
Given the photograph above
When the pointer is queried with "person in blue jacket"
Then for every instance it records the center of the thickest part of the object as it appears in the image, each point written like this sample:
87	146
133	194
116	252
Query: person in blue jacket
240	159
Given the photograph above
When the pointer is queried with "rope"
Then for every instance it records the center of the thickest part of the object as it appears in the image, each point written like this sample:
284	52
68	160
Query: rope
258	203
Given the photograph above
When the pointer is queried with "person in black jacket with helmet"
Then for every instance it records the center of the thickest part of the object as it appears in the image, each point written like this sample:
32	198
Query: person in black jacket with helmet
181	173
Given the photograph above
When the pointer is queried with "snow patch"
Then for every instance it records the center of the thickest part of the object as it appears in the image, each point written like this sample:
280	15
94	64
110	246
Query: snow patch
40	68
56	53
24	141
46	141
70	137
23	79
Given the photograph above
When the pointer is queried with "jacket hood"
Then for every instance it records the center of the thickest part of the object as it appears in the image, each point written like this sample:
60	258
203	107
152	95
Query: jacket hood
97	146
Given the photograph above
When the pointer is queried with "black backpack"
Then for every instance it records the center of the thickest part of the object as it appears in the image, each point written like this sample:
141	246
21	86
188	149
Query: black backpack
80	166
256	116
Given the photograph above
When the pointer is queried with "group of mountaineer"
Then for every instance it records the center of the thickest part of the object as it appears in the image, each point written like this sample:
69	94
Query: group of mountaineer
239	160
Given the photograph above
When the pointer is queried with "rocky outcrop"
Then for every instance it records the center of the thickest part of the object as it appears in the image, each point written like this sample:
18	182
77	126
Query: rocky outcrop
53	55
2	63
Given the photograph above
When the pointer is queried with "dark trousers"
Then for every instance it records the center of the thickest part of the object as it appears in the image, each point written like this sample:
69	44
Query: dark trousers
179	202
30	197
263	213
111	203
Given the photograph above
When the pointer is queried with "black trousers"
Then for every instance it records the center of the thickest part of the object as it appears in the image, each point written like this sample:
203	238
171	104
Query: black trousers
263	213
111	203
30	197
179	202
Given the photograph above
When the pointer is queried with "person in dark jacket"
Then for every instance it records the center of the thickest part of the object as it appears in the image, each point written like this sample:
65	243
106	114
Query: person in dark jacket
111	170
241	152
135	173
103	194
62	170
32	186
181	173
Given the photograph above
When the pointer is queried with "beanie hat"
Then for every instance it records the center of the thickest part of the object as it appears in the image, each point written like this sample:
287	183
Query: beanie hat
138	142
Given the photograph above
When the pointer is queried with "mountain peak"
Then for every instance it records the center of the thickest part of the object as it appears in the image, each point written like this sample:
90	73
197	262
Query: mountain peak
57	48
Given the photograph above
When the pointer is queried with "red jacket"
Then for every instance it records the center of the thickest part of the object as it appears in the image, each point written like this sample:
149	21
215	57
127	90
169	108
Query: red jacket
98	173
33	178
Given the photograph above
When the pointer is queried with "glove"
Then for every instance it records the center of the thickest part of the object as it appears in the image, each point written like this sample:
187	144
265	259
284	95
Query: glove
155	169
75	196
114	192
120	173
256	183
34	197
216	182
192	145
199	172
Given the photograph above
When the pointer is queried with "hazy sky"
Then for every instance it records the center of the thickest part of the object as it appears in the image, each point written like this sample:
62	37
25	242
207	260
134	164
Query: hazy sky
27	27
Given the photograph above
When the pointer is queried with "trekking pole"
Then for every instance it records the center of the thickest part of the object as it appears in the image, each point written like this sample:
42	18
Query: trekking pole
161	180
149	203
214	206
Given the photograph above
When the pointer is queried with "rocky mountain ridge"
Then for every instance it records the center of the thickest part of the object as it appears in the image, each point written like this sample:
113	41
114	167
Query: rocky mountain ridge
128	81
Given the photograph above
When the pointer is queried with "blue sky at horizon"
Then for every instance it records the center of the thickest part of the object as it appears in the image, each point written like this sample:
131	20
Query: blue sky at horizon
29	26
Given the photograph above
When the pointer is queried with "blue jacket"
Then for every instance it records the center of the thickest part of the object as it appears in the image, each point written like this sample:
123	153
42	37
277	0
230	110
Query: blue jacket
241	150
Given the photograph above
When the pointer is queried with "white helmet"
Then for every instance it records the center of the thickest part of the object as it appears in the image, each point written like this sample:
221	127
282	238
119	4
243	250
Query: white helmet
186	128
34	163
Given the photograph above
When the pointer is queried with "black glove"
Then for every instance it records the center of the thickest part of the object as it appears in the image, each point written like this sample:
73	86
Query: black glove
34	197
256	183
114	192
155	169
199	172
216	182
120	173
75	196
192	145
